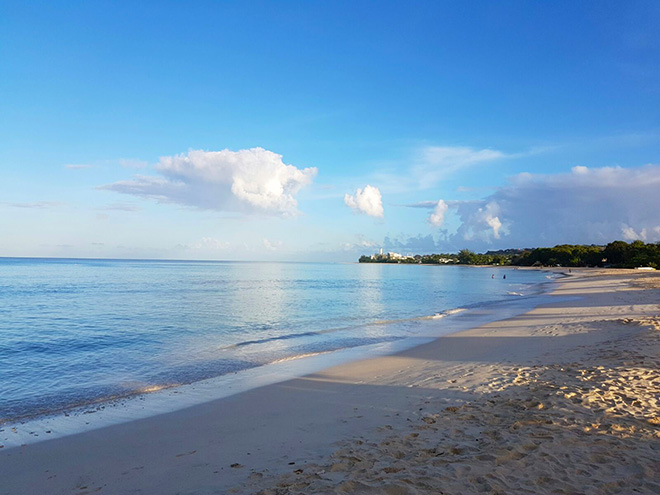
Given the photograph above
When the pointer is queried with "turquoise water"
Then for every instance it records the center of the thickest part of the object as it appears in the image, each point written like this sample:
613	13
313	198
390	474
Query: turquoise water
73	332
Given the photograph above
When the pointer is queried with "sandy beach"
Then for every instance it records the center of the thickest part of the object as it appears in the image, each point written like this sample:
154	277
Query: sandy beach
563	399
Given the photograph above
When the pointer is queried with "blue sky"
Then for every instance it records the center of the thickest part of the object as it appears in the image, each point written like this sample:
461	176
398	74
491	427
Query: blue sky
325	130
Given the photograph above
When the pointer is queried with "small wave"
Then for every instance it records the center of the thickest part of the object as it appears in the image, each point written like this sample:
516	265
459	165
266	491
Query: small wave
300	356
447	312
514	293
271	339
291	336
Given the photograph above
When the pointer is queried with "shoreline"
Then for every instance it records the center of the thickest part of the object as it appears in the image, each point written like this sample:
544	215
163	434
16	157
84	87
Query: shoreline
194	359
317	423
89	416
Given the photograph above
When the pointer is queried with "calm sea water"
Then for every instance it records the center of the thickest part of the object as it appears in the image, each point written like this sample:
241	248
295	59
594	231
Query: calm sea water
73	332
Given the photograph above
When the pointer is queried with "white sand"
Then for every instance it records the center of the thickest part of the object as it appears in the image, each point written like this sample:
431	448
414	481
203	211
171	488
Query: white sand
563	399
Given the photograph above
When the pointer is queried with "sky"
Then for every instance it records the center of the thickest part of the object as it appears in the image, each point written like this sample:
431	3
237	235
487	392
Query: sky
323	130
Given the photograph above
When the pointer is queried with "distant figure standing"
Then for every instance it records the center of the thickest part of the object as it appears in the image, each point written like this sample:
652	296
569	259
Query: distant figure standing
492	276
504	276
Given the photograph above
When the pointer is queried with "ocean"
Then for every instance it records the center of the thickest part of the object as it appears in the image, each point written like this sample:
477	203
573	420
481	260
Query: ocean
75	332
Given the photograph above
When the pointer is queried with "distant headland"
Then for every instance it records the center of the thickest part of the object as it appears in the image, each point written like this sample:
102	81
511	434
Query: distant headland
617	254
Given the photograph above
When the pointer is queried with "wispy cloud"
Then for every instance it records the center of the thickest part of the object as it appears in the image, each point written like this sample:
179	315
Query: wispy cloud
37	205
427	166
73	166
249	181
434	163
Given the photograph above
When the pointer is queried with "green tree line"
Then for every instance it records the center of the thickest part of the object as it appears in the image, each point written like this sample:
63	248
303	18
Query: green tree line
618	254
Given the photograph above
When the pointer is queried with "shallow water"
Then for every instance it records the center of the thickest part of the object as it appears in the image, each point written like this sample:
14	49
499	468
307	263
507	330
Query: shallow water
73	332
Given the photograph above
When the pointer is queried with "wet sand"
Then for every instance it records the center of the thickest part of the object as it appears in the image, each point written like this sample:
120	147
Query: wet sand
563	399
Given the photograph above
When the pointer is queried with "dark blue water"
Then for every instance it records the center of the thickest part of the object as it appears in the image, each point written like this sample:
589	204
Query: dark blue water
77	331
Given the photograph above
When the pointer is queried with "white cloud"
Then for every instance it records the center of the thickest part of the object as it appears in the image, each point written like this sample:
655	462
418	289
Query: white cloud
252	180
629	234
488	216
367	201
587	205
427	166
72	166
437	217
580	170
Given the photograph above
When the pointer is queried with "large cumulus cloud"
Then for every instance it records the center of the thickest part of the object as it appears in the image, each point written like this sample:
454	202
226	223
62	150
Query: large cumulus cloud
251	180
587	205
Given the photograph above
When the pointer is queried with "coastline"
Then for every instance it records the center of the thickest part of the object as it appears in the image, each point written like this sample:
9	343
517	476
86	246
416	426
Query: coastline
331	425
154	401
144	337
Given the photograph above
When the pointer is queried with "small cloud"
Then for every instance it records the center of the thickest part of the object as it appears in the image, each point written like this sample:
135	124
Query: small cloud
78	166
644	234
367	201
629	234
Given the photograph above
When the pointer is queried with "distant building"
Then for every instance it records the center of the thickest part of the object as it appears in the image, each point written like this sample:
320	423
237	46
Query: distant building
390	256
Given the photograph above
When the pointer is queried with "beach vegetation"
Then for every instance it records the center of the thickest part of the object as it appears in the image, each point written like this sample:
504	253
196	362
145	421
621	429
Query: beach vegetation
616	254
